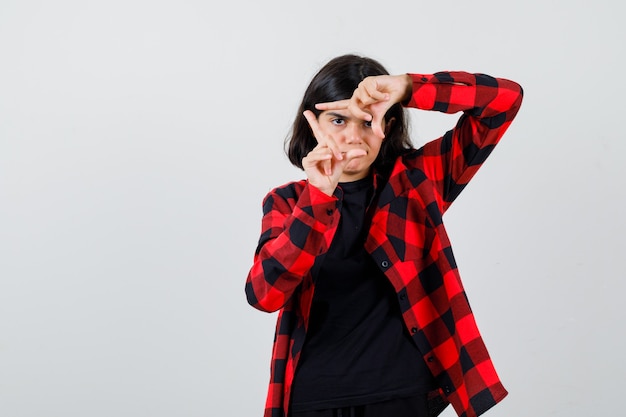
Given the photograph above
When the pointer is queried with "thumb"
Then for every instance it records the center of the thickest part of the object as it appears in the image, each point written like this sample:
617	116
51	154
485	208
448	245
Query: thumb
352	154
378	123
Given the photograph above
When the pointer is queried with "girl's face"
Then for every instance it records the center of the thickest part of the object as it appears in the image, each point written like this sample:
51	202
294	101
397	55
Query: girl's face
350	132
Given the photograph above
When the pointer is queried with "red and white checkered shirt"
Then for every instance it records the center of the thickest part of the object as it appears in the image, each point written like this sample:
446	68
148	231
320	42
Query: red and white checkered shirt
407	239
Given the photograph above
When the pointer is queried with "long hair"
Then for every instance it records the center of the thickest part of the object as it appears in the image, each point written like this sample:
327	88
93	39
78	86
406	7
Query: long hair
335	81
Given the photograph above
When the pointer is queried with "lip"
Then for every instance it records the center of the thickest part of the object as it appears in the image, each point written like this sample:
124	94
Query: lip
343	154
344	151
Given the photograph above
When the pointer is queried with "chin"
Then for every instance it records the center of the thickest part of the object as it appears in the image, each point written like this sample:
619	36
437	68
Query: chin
356	171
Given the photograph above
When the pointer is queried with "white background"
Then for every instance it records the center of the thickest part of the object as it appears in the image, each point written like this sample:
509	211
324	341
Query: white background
137	139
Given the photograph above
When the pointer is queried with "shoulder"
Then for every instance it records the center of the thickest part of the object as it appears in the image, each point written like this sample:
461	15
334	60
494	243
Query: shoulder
411	168
411	158
288	190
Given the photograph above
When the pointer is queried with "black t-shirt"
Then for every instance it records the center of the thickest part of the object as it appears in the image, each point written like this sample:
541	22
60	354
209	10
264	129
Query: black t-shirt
357	349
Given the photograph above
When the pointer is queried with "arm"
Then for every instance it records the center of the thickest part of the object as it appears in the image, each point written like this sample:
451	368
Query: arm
489	105
297	226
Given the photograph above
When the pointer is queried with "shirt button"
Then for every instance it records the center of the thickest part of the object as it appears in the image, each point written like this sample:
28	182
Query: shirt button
424	79
414	330
329	212
384	264
402	297
430	359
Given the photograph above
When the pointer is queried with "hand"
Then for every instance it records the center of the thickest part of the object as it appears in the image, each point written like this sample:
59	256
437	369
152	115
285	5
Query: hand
373	97
325	163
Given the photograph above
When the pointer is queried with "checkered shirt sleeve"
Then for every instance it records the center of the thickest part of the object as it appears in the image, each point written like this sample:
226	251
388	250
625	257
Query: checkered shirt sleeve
489	105
297	225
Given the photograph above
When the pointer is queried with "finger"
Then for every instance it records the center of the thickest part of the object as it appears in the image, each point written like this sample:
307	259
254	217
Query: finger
377	126
354	153
320	152
327	167
373	92
316	156
367	113
319	135
315	127
332	145
358	110
320	159
326	160
333	105
366	95
360	107
368	92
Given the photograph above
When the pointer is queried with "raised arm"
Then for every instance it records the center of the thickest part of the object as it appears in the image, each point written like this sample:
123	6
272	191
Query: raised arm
489	105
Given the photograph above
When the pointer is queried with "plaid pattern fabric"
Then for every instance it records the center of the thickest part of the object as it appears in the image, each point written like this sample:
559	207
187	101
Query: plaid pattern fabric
407	239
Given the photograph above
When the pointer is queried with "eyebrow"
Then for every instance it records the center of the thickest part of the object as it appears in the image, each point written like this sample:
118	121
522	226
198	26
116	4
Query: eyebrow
339	115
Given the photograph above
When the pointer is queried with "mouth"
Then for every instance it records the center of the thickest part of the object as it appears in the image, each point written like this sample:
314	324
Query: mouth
344	152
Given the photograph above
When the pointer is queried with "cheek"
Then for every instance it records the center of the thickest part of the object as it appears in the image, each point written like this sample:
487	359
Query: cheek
375	147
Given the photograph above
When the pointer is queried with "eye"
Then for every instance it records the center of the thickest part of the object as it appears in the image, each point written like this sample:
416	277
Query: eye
338	121
368	123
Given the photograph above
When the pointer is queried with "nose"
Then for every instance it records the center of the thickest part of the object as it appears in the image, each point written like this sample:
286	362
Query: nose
354	133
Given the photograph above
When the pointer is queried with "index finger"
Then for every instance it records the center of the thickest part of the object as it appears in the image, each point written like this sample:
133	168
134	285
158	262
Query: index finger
347	104
315	127
333	105
319	136
368	92
364	97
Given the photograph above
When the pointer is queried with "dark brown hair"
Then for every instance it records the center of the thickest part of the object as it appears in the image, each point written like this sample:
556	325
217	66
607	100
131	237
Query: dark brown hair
337	80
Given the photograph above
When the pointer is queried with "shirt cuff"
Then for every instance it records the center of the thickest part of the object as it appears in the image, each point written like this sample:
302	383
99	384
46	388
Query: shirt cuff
424	91
321	206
